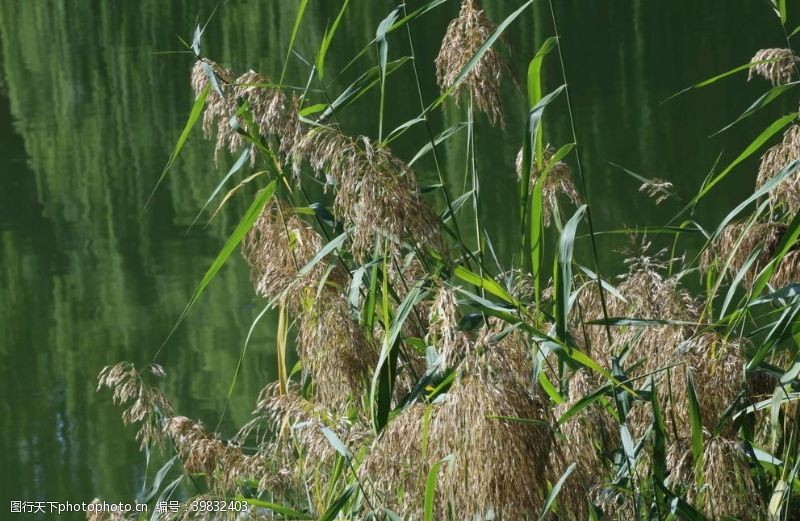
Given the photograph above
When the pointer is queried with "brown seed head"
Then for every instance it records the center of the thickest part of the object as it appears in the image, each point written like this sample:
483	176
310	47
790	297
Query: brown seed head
780	68
376	193
787	194
557	184
465	35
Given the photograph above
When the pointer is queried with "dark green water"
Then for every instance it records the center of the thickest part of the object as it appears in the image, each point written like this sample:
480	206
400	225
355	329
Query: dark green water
89	113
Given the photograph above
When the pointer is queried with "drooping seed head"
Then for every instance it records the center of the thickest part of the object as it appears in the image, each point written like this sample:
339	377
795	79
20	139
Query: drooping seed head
779	66
465	35
557	185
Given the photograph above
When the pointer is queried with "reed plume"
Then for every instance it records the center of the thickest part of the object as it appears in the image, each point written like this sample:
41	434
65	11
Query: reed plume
377	195
145	404
728	491
336	352
657	189
277	247
787	193
557	185
220	105
780	66
717	366
465	35
731	249
475	424
443	331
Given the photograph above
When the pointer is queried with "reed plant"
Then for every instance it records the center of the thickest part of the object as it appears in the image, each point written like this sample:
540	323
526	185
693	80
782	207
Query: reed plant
434	384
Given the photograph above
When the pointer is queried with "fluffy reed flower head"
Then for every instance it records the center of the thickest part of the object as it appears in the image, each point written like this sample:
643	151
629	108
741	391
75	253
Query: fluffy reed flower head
737	242
146	405
376	193
220	104
200	450
294	430
335	351
780	68
470	425
728	491
717	368
465	35
590	436
647	294
787	193
277	247
657	189
557	185
443	331
788	271
274	114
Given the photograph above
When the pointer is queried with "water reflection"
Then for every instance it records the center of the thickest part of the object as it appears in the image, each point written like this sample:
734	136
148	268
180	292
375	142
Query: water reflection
88	114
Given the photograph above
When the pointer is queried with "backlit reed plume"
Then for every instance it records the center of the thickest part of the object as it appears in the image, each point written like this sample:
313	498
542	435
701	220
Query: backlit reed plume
274	114
293	431
780	66
146	405
336	352
471	424
647	294
443	331
788	271
334	349
225	466
657	189
716	365
277	247
732	248
557	186
220	105
728	491
787	193
590	437
376	193
465	35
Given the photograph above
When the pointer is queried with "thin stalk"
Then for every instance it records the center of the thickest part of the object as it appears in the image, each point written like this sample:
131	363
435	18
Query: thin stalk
472	173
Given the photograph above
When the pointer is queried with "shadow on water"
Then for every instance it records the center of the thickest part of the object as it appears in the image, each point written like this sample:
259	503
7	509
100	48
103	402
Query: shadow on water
89	113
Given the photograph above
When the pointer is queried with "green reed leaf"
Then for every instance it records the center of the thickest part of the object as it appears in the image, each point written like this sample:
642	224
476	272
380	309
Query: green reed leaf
696	422
764	100
194	115
563	276
484	283
301	10
230	245
333	510
327	39
488	43
551	497
430	488
750	150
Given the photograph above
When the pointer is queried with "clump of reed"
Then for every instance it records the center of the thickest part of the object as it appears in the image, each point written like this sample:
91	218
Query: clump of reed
465	36
431	387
